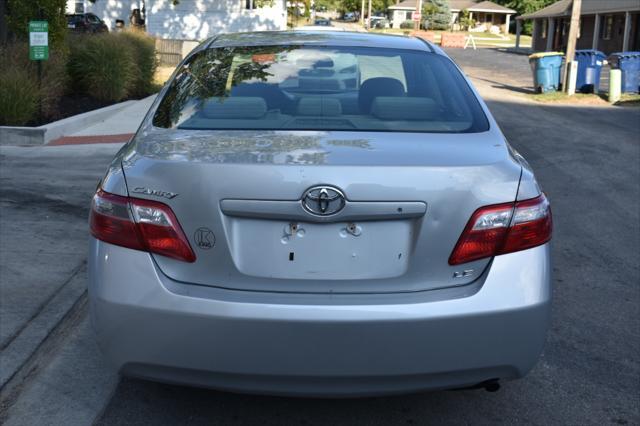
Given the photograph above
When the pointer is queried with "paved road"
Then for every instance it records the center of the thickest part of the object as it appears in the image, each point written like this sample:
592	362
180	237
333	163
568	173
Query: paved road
587	160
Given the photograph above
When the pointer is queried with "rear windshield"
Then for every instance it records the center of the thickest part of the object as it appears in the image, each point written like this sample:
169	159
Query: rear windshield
74	19
320	88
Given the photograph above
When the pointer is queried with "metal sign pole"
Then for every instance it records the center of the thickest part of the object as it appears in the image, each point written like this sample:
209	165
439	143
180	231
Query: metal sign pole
39	49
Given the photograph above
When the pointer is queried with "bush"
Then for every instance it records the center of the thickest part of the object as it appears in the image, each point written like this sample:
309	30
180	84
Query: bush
54	77
144	51
406	25
102	67
18	97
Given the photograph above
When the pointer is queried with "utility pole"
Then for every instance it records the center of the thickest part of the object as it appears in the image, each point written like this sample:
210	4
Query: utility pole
569	68
416	24
362	14
369	17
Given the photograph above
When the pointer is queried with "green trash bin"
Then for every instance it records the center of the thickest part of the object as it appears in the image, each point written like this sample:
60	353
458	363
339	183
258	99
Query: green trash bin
546	67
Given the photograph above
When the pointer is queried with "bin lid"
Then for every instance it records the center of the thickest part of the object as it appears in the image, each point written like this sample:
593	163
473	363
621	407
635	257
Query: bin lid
625	54
590	52
543	54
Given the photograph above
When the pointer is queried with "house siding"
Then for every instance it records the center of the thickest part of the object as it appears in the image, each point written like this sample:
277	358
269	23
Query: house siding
200	19
107	10
585	41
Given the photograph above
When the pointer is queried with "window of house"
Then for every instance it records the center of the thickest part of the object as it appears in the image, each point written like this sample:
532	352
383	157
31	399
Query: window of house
408	15
79	7
607	28
249	4
489	17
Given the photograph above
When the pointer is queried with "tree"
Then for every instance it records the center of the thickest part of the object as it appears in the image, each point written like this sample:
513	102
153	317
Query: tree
438	14
525	6
466	21
349	6
20	12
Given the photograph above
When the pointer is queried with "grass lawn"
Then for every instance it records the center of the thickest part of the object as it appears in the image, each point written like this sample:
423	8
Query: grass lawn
481	39
627	99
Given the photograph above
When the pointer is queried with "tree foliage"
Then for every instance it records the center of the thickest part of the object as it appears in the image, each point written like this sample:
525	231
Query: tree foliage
438	14
356	5
525	6
20	12
465	20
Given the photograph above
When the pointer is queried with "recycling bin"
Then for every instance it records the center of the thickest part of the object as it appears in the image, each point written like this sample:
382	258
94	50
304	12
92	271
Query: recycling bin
629	65
590	64
546	68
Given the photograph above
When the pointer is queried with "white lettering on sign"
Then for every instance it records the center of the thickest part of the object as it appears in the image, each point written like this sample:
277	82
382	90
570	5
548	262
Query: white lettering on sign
38	39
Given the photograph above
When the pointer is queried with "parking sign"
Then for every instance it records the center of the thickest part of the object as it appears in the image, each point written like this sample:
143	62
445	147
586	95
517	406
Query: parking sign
38	40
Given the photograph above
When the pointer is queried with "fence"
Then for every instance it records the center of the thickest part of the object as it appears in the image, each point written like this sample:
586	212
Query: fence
169	52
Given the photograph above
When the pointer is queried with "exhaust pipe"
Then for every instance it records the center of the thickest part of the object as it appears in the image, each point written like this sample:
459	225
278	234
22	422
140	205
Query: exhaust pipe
491	385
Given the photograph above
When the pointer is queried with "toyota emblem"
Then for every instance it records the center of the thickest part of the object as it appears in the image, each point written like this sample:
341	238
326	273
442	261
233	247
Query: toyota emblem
323	200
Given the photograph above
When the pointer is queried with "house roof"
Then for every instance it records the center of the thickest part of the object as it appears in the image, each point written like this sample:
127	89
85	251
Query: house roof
563	8
478	6
458	5
405	4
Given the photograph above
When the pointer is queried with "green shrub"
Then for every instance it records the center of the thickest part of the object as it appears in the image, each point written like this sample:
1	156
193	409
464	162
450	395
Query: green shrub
144	52
102	67
407	25
54	74
18	97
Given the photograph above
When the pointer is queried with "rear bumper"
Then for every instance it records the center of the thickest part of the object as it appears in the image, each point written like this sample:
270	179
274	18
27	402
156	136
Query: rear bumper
152	327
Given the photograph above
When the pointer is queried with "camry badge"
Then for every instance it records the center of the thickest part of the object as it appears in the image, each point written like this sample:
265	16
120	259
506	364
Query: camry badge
154	192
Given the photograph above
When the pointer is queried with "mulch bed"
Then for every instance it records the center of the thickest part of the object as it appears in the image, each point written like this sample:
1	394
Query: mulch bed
71	105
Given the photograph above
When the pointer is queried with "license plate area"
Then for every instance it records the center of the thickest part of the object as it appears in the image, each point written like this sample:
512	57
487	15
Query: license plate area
320	251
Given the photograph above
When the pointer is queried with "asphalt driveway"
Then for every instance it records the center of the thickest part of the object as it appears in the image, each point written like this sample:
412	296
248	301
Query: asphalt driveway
588	162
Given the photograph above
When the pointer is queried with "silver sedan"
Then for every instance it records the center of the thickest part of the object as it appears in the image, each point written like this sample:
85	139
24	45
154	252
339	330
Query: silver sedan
322	214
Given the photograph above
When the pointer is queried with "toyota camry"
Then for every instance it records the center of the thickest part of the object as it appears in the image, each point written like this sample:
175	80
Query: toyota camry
322	214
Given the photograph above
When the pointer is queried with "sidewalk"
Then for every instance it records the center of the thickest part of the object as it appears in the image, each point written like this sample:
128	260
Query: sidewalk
118	128
44	200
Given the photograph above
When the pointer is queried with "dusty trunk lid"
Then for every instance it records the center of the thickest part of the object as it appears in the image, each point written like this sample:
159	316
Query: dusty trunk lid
433	181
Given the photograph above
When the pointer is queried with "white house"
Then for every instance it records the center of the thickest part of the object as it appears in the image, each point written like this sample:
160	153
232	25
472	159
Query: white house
189	19
485	13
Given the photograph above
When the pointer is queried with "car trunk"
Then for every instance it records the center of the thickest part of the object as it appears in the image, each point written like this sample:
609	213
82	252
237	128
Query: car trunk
239	204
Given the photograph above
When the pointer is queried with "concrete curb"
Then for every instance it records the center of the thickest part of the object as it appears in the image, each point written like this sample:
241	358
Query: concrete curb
30	337
42	135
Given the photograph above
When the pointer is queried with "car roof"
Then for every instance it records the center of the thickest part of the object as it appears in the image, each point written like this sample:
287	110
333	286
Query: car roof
324	37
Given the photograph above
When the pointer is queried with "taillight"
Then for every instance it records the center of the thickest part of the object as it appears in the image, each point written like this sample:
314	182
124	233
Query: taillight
138	224
504	228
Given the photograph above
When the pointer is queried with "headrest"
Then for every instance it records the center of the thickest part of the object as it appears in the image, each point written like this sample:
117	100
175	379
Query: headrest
378	86
324	107
403	108
234	107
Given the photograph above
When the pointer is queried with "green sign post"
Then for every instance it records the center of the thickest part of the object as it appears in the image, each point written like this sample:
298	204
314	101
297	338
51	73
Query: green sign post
39	49
38	40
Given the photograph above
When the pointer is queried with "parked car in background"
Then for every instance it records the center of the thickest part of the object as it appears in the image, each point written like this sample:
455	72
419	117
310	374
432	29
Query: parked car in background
86	23
322	214
379	22
322	22
350	17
